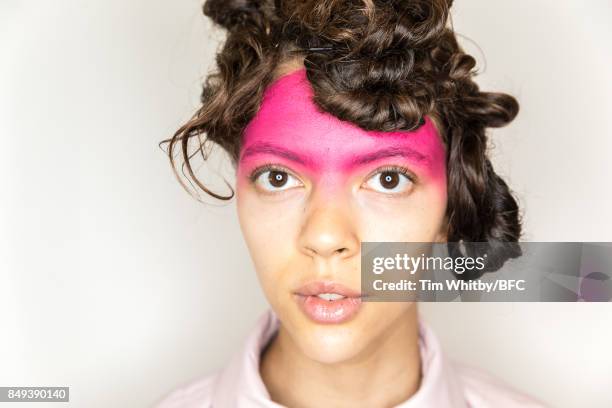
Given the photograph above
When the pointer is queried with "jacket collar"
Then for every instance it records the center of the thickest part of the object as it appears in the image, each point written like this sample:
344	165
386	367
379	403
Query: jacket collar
240	385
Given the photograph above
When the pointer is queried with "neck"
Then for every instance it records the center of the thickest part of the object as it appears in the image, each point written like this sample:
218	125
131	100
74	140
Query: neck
385	374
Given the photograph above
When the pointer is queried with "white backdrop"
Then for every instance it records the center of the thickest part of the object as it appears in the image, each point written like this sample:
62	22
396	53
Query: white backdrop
115	282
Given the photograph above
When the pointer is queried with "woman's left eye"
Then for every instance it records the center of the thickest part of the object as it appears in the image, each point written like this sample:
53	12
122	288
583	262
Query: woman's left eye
274	180
390	181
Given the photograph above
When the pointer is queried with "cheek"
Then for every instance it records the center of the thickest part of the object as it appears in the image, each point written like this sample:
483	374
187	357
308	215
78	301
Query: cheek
419	218
266	227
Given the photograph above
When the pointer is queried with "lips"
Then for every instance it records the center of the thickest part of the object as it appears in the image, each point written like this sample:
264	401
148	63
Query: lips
328	302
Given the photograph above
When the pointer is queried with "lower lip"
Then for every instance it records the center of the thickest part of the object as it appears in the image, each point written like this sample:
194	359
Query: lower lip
329	311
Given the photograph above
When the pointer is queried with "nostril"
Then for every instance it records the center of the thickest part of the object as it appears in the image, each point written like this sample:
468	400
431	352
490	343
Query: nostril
314	252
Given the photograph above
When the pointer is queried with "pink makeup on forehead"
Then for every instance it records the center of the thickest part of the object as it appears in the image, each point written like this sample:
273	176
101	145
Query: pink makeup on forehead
290	127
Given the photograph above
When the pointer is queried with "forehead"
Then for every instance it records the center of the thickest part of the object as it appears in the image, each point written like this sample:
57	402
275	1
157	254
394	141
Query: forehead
289	119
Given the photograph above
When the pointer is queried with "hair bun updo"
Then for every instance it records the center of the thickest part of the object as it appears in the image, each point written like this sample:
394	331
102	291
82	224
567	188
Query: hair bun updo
374	73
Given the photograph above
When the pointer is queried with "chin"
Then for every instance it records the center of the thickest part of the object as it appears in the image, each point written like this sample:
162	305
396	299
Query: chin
330	344
333	343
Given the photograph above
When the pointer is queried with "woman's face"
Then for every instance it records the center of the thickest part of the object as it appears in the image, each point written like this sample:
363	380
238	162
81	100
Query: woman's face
310	188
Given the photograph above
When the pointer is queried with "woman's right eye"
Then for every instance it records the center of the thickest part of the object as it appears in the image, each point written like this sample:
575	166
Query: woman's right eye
276	180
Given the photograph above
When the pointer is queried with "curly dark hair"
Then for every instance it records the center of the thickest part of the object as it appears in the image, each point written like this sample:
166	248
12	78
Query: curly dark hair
381	64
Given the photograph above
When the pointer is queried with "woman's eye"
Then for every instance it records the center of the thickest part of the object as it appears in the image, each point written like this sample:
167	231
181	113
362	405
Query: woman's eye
276	180
389	182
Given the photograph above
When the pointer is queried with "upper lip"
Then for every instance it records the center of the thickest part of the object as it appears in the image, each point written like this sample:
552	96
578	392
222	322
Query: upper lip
317	287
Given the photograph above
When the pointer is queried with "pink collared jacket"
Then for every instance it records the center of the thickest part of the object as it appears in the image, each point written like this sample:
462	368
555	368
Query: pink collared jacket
445	384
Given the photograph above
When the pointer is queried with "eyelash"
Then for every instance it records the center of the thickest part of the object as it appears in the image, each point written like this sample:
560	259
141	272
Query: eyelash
267	167
394	169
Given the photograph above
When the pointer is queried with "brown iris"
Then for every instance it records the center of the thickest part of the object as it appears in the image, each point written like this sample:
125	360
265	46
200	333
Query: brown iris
389	179
277	178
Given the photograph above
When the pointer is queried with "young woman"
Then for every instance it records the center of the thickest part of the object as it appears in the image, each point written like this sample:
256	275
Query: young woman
347	121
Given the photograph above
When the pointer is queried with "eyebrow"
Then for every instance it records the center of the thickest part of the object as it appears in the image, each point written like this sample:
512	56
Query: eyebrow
406	152
267	148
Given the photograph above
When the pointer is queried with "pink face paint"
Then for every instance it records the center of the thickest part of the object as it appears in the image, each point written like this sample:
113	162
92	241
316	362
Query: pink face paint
290	130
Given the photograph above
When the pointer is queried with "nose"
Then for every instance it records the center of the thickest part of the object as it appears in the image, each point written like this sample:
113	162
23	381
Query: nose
329	229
